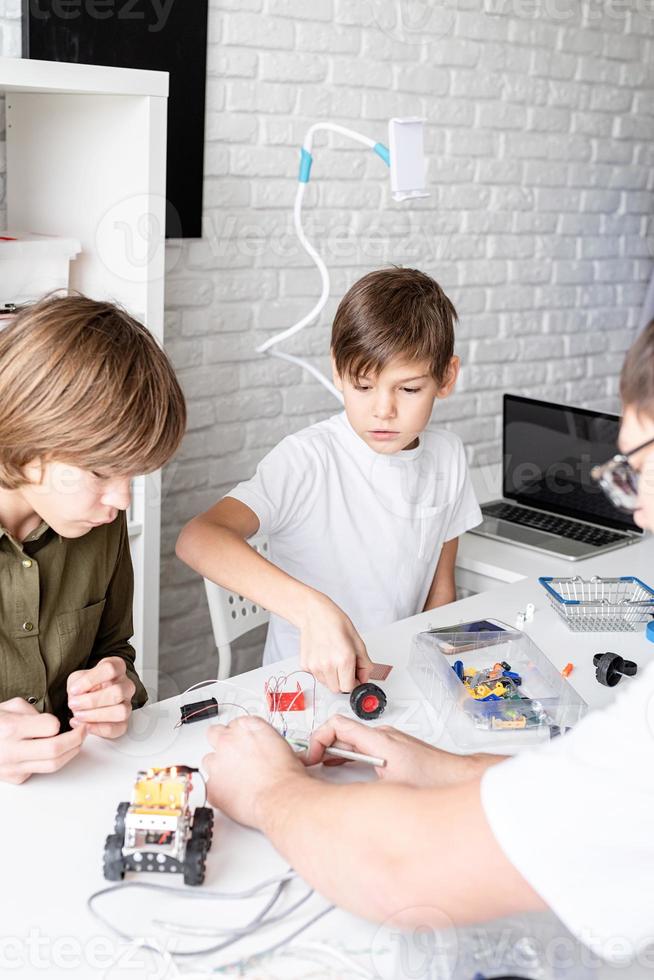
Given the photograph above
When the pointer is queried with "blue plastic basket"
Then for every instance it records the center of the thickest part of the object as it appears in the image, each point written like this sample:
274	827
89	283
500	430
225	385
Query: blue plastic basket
600	605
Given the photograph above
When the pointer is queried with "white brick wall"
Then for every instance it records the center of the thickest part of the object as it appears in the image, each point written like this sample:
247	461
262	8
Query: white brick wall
540	138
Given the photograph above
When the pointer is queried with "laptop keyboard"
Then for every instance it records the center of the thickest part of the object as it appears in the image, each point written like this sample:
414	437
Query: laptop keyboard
540	521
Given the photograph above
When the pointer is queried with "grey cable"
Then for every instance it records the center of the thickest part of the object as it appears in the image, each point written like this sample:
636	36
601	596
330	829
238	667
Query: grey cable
257	922
277	945
243	932
127	937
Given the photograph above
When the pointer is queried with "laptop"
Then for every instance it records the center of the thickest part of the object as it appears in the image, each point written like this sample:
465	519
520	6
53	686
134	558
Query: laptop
550	504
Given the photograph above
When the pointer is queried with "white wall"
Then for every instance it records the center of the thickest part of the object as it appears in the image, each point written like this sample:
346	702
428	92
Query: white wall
540	136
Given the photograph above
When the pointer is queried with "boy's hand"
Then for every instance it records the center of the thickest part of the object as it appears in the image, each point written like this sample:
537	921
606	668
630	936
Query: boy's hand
408	760
101	698
331	649
29	742
249	759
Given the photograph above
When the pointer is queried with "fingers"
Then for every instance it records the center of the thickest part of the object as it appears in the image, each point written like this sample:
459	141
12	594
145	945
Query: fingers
26	769
347	675
19	726
49	749
18	706
115	712
111	694
329	677
337	674
105	729
249	723
8	775
363	665
109	669
353	734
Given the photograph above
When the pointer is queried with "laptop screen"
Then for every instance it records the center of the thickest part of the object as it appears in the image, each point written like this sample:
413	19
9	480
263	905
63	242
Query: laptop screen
549	451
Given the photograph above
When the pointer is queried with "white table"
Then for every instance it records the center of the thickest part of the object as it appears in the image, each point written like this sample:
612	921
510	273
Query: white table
54	827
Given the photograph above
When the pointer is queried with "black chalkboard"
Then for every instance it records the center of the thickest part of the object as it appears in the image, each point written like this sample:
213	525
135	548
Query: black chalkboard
165	35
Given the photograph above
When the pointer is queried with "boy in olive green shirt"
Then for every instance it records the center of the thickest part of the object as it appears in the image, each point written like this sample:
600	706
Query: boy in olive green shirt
87	401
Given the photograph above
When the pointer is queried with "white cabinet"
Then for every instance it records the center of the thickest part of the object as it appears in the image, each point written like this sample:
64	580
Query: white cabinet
86	159
31	265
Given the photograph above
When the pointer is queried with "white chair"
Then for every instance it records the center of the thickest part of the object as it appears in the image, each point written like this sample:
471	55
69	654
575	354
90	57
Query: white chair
233	615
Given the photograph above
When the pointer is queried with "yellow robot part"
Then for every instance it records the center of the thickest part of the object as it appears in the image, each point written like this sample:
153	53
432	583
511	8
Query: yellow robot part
160	792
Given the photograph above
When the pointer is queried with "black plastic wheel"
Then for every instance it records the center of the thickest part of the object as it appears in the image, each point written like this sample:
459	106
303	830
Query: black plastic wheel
367	701
113	866
195	862
609	668
203	825
119	822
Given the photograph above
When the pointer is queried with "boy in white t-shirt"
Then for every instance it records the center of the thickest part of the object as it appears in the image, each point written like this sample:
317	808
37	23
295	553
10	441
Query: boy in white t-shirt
363	510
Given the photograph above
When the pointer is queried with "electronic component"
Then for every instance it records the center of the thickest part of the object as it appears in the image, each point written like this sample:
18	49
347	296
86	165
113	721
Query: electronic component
368	701
284	700
380	672
567	670
611	668
157	831
198	711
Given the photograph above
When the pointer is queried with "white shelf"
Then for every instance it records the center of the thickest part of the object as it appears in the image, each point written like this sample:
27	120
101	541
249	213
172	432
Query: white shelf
86	159
25	75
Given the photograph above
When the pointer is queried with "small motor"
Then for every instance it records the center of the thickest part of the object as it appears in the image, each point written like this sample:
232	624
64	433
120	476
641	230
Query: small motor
367	701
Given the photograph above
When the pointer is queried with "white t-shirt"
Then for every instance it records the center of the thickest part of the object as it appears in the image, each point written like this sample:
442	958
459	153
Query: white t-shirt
362	527
576	818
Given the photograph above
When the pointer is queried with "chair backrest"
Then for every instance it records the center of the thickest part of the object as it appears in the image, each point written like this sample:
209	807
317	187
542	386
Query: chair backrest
233	615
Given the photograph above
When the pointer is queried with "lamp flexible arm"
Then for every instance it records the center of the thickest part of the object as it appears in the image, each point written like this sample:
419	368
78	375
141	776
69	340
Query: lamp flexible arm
306	159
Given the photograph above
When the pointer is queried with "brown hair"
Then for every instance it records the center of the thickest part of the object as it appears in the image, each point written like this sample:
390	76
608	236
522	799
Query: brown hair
83	382
637	375
393	312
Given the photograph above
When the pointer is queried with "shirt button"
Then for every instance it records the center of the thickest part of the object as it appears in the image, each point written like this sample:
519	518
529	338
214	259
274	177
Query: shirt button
31	699
28	627
26	563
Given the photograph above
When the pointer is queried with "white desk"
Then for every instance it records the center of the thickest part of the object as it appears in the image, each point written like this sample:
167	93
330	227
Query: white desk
54	827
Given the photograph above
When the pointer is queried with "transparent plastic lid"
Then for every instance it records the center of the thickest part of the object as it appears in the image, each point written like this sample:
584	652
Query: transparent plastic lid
493	688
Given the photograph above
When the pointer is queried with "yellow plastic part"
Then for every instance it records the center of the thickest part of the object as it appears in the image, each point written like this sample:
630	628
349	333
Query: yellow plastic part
159	792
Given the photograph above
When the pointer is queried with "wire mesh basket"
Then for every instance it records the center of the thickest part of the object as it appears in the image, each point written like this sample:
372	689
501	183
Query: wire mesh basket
600	605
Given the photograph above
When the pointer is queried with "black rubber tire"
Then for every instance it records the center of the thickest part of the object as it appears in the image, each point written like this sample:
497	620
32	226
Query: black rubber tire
119	822
113	866
195	863
609	669
357	699
203	825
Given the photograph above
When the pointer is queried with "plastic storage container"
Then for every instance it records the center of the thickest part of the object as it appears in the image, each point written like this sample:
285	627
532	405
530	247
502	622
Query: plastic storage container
536	702
31	265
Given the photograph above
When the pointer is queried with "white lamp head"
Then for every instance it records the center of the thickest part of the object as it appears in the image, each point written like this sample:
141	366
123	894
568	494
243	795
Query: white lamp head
407	163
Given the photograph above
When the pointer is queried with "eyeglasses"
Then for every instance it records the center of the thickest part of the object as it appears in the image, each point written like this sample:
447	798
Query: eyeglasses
619	480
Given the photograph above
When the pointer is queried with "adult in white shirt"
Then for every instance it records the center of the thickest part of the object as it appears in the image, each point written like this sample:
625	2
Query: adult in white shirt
443	839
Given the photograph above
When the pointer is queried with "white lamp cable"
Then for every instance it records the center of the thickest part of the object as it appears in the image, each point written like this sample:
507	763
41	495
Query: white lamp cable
305	169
